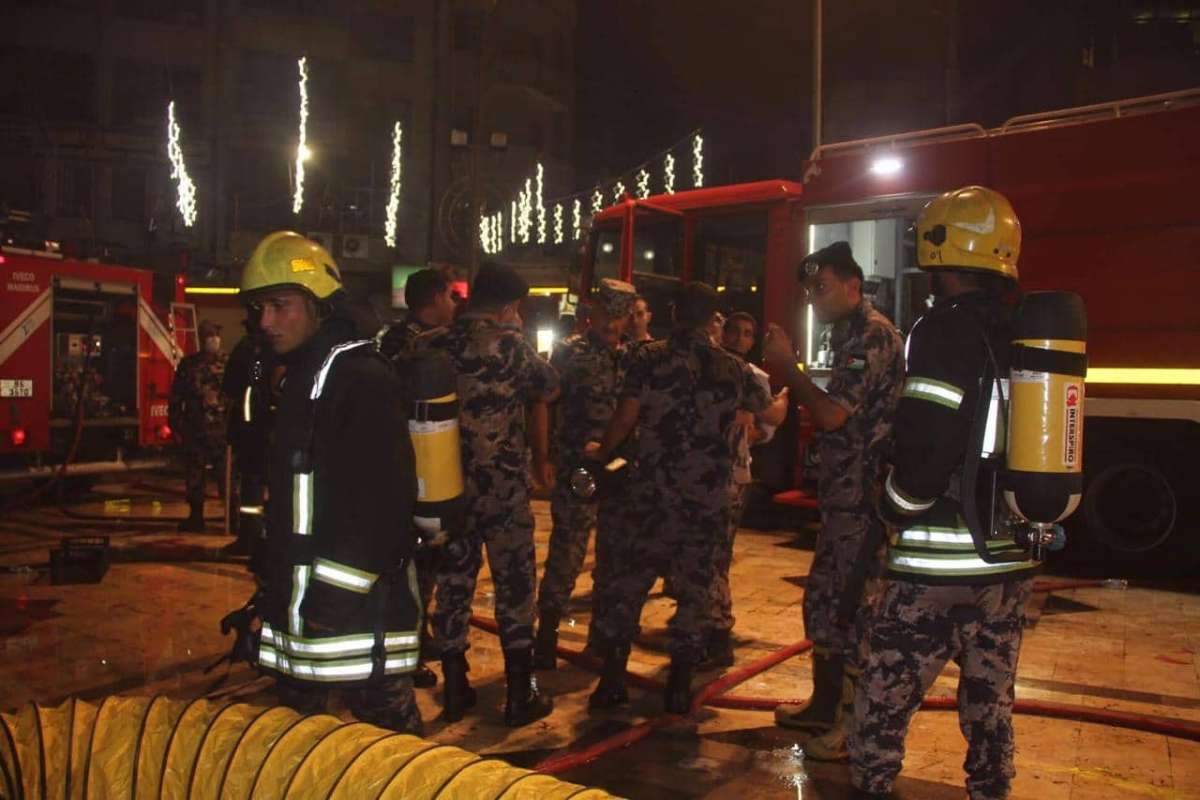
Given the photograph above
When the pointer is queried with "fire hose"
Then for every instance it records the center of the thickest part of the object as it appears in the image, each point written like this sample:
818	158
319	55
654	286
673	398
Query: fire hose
714	694
152	747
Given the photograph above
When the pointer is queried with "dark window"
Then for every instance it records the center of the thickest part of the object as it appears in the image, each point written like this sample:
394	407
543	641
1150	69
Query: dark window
179	12
384	36
466	31
268	84
58	86
260	184
730	254
129	194
75	191
18	189
141	92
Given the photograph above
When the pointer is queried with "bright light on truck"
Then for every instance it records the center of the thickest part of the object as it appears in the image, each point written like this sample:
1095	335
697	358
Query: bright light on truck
887	165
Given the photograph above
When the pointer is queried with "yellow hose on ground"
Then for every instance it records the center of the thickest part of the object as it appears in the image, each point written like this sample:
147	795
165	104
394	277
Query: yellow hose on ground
135	748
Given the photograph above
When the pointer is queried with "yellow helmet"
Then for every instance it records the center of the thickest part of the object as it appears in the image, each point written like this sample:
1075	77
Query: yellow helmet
972	228
287	260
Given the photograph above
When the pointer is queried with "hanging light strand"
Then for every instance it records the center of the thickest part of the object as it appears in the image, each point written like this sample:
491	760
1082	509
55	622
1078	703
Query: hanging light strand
540	205
576	219
393	205
643	184
185	188
558	223
669	173
302	145
697	160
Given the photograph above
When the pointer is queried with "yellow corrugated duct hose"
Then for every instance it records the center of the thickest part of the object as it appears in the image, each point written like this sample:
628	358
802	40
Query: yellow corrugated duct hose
154	748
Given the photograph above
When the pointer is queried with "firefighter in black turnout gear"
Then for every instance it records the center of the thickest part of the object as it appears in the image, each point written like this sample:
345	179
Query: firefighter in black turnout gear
339	600
957	580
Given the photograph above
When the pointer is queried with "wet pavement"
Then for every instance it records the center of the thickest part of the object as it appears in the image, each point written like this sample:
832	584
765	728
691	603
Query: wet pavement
150	627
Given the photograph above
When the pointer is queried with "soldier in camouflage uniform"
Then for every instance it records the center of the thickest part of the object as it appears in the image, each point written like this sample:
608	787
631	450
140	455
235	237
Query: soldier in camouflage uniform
944	599
854	417
499	374
429	295
197	416
589	365
683	395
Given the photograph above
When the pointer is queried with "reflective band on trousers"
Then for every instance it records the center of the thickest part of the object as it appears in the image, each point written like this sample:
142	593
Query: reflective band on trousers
951	565
349	670
940	392
323	373
302	503
246	404
254	511
930	535
300	574
343	577
910	505
358	644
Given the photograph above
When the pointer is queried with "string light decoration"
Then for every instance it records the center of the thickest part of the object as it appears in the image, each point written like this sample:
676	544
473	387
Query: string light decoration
618	191
669	173
302	152
185	188
498	232
643	183
576	219
541	208
485	234
558	223
526	201
393	204
697	160
512	222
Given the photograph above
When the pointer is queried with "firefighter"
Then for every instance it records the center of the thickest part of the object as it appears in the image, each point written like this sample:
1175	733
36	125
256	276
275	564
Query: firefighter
339	602
854	418
589	364
943	601
431	302
196	414
502	382
247	387
683	395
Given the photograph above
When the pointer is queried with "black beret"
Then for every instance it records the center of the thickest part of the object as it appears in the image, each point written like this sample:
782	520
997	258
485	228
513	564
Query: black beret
497	283
836	256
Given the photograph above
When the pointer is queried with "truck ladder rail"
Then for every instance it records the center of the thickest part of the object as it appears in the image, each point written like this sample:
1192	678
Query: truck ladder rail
1117	108
1035	121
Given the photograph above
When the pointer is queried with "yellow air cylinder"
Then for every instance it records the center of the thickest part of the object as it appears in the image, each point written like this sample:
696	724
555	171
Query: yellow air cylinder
150	748
1043	478
433	427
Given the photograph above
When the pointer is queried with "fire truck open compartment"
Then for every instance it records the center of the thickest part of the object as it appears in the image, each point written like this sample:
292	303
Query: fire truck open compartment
94	367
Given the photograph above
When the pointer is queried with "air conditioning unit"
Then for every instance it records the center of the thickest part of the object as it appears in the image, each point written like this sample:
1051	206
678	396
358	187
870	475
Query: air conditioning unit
355	245
323	238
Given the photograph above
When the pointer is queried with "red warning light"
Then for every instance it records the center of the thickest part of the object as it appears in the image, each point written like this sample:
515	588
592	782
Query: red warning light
164	432
17	437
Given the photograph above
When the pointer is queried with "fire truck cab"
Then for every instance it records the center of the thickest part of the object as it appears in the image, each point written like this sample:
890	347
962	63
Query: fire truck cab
87	356
1106	197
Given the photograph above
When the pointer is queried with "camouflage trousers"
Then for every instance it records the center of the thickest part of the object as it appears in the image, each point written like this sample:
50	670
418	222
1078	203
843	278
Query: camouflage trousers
197	458
917	629
508	537
573	520
676	540
720	594
837	553
427	560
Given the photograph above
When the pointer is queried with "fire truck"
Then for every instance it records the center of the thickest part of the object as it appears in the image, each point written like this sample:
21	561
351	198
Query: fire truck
87	356
1106	195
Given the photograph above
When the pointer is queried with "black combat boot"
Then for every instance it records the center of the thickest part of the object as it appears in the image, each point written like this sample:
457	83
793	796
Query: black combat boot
610	692
677	698
545	646
524	705
457	694
819	712
424	677
719	652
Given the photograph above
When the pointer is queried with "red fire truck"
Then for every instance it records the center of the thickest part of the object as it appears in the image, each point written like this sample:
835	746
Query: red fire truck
87	356
1107	200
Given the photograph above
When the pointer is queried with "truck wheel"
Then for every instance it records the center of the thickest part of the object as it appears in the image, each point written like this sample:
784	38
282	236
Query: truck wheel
1134	508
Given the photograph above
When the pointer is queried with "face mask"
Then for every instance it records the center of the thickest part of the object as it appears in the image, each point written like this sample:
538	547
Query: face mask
212	344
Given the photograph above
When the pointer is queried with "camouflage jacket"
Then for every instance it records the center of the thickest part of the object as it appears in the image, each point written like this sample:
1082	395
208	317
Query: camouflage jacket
867	380
689	392
398	338
498	374
197	407
590	371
